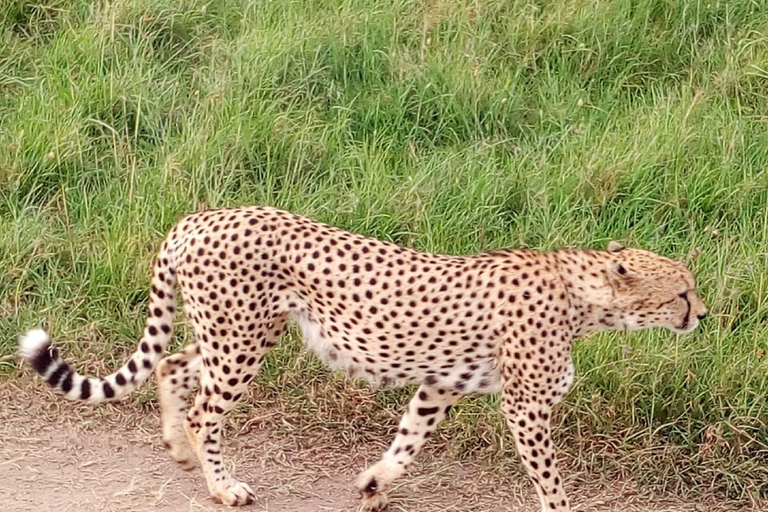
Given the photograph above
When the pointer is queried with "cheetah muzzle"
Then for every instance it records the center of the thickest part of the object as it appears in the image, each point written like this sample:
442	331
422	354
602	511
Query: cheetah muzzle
496	322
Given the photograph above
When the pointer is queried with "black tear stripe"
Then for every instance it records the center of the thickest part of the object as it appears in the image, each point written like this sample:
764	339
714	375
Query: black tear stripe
687	319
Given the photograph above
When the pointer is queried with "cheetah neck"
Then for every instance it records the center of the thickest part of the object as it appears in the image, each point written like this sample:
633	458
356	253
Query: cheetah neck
590	295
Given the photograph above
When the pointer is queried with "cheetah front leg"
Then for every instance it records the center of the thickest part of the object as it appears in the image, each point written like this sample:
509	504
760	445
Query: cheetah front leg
529	420
425	411
177	376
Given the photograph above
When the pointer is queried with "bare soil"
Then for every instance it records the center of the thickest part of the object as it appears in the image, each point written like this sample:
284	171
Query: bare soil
58	456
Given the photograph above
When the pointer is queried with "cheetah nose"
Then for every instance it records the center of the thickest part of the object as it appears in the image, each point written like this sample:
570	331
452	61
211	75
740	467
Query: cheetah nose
701	316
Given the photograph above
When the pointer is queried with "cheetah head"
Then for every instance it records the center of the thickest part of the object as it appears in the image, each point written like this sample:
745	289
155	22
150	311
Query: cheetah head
649	290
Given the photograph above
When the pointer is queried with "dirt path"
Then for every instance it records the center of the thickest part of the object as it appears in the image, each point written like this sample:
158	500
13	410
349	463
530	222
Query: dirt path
57	456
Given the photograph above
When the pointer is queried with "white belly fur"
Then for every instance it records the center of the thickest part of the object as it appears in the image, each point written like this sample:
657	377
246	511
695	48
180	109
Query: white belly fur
486	378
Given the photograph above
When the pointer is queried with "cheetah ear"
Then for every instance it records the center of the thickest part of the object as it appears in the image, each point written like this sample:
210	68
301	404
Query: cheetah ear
619	276
691	256
614	246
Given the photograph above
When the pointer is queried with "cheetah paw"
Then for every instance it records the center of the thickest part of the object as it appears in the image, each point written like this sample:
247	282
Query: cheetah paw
373	502
182	453
372	498
237	495
187	464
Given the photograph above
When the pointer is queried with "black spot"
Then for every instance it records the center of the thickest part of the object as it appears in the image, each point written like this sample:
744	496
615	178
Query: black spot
108	391
427	411
119	379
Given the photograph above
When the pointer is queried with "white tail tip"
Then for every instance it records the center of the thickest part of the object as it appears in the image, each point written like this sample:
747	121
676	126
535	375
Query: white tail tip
31	343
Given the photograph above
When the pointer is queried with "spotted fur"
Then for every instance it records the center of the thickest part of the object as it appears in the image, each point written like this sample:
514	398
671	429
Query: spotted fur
495	322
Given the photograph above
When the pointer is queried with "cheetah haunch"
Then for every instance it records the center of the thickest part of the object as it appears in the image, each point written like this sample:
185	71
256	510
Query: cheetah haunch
496	322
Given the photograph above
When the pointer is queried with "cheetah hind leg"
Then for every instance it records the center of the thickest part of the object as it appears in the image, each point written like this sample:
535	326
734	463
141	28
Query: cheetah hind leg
203	425
177	377
215	398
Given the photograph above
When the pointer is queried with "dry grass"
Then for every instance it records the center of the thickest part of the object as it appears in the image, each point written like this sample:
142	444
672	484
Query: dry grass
109	457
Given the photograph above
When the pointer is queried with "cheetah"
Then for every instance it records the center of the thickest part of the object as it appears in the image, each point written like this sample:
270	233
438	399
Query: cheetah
496	322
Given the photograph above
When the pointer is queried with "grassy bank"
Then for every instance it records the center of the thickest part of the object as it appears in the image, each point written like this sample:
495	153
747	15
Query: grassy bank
446	126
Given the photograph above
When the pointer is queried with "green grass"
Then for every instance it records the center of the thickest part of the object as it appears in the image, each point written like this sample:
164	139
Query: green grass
446	126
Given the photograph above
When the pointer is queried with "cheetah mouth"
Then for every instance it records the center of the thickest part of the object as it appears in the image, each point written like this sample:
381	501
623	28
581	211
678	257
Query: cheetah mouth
686	327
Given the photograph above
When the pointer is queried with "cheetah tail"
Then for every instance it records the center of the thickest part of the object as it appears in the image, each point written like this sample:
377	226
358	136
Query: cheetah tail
36	348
